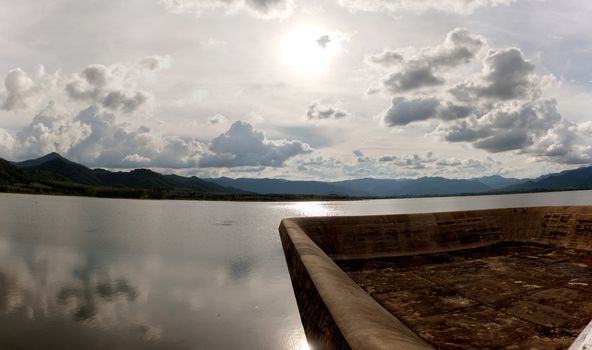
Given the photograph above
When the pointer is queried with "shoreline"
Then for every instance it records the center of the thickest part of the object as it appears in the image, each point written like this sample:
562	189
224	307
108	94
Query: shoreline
164	194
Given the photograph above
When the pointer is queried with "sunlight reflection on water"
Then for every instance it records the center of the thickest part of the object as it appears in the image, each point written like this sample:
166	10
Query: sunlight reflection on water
313	209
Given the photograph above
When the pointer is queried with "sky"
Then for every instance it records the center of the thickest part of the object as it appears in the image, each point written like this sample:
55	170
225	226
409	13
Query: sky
327	90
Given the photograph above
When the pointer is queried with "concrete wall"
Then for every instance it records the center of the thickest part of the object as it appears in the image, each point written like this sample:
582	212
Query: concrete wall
395	235
322	331
337	313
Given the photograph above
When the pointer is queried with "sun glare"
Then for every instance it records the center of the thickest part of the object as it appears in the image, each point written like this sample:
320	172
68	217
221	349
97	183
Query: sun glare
313	208
309	50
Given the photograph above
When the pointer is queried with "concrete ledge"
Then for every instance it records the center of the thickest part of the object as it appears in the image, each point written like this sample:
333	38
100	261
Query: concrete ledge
358	319
337	313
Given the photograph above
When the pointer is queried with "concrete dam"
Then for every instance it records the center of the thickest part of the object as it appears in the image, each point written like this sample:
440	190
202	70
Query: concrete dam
517	278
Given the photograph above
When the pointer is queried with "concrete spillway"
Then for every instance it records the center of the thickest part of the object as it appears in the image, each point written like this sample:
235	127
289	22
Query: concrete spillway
488	279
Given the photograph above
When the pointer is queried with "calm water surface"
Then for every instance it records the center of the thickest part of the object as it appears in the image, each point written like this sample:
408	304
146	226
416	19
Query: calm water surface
88	273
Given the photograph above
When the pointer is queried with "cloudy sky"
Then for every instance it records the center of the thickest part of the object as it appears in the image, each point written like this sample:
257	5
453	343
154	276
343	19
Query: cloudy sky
299	89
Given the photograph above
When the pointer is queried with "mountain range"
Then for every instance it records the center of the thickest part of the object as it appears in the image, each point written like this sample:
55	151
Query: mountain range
53	166
369	187
53	173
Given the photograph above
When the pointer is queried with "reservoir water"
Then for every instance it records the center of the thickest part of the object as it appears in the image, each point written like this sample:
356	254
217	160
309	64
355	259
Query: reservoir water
91	273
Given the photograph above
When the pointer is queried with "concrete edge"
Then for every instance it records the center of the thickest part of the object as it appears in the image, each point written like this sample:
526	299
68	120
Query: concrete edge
360	319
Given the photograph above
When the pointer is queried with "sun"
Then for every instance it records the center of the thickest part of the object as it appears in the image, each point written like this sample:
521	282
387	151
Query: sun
309	50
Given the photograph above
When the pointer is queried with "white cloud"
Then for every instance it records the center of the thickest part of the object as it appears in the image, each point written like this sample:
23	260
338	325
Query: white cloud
115	100
242	145
95	138
19	90
398	166
403	111
114	87
506	75
510	126
213	43
217	119
49	133
7	143
136	159
415	69
111	144
463	7
156	63
319	111
497	109
266	9
459	46
23	91
385	58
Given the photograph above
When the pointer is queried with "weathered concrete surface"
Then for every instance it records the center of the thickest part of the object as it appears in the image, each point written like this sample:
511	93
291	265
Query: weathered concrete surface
498	296
491	279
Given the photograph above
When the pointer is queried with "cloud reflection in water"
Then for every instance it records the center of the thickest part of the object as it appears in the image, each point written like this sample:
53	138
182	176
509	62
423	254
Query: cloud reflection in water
143	275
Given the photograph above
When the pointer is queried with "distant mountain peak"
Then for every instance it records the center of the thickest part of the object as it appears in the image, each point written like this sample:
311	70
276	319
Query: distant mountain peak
495	176
143	171
50	156
41	160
